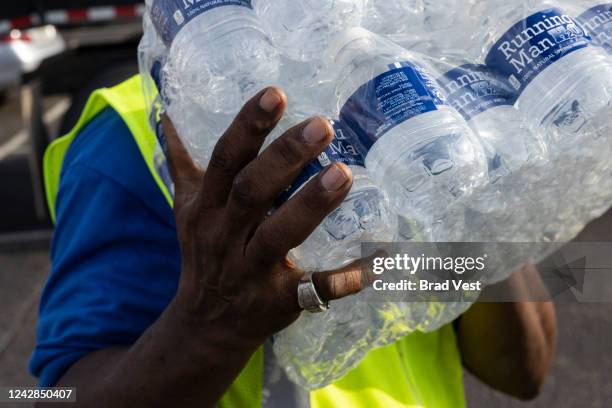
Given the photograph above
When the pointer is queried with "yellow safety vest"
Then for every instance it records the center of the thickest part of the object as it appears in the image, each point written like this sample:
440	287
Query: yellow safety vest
420	370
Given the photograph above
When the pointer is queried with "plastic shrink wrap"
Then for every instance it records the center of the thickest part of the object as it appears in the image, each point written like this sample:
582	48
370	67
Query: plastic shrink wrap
463	121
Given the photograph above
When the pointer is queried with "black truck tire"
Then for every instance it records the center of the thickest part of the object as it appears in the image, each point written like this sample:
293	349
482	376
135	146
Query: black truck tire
106	78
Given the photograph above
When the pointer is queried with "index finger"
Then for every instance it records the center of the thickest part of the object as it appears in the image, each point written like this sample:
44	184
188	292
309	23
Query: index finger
241	143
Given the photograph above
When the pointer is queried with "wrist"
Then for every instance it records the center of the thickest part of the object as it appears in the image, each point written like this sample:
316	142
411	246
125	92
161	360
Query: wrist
209	335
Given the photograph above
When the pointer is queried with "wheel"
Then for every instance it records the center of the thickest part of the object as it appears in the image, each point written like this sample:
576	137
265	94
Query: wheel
105	78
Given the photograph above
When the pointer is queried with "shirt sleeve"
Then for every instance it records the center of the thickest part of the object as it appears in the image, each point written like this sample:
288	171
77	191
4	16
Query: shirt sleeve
115	261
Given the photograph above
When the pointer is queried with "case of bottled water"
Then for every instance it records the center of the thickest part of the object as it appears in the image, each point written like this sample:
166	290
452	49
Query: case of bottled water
467	121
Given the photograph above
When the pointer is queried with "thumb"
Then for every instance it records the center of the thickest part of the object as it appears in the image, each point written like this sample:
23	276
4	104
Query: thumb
346	281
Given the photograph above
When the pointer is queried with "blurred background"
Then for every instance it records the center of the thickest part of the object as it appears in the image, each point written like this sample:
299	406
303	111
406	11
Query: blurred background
53	54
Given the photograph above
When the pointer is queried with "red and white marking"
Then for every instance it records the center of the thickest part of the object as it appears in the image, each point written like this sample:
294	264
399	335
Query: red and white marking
74	16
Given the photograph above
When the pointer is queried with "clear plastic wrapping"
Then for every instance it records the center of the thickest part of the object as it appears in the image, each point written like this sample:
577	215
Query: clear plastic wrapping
476	121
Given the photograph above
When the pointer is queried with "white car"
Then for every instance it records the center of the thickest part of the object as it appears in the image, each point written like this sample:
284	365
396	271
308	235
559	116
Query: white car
22	52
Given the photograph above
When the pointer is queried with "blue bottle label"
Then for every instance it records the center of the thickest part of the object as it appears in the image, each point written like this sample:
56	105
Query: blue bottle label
157	76
342	149
401	93
597	21
170	16
535	43
473	89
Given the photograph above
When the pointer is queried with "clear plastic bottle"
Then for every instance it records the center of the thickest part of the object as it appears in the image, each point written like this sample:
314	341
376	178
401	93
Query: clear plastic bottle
415	17
151	57
364	216
563	82
595	16
486	101
302	29
218	56
395	17
418	149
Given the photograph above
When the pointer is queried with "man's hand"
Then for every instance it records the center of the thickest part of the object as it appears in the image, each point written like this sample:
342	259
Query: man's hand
237	287
237	284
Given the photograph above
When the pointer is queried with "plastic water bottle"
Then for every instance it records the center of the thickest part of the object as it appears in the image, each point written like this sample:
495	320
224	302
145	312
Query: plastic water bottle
414	16
151	54
486	101
364	215
219	46
394	16
417	147
563	83
410	23
443	14
595	16
218	56
302	29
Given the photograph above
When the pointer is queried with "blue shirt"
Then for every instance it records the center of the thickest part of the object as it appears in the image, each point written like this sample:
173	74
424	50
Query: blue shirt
115	256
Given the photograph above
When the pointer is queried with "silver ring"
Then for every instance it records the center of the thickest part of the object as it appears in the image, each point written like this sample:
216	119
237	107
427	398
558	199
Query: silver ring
308	298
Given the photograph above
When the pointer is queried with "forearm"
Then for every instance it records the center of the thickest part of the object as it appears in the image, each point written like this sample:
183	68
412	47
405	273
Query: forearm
510	345
172	364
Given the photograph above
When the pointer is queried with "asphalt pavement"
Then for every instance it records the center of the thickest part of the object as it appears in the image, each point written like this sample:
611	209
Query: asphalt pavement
578	377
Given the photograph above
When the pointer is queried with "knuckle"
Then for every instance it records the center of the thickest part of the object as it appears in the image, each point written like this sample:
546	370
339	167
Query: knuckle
313	202
192	217
265	245
290	153
224	157
253	122
353	280
334	285
340	284
311	206
243	191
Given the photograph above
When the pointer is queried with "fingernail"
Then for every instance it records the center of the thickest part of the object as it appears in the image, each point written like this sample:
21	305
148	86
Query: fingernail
316	130
335	177
270	100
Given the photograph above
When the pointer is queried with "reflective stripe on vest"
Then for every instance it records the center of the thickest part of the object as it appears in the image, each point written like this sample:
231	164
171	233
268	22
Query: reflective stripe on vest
420	370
